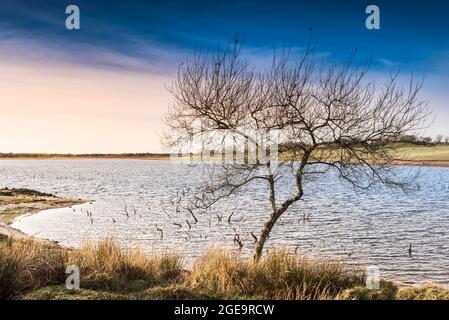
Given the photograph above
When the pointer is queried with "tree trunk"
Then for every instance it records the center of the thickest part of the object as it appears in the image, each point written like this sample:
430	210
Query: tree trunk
271	222
277	212
264	234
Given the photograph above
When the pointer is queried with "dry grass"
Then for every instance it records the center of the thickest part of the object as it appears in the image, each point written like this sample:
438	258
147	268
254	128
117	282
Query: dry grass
429	292
106	266
35	270
414	152
278	275
26	265
387	291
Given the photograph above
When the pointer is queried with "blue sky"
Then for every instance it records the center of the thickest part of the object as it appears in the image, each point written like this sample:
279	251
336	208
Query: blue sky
413	34
152	37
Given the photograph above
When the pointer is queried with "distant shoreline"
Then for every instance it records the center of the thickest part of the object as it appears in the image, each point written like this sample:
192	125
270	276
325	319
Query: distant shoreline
406	154
411	163
422	163
93	156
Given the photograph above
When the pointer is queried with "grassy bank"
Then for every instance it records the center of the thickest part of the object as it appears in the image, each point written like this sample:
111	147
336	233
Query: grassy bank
17	202
413	152
31	270
405	153
400	153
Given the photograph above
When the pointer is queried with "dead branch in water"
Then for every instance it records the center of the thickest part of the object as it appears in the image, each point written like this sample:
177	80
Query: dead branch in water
237	239
254	237
230	216
160	230
193	215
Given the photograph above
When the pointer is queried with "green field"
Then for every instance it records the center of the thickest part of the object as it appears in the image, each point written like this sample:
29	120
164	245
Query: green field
412	152
421	154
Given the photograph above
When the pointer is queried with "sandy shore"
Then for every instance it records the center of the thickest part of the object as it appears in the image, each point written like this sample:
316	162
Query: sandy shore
430	163
18	202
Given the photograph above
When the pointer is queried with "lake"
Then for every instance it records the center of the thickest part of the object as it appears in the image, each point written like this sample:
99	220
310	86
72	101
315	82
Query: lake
370	228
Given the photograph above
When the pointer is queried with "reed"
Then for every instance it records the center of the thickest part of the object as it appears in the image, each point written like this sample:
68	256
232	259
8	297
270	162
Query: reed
278	275
36	270
26	265
107	266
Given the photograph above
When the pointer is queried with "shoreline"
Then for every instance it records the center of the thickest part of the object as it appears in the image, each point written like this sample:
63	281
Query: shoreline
30	202
404	154
87	156
422	163
16	203
408	163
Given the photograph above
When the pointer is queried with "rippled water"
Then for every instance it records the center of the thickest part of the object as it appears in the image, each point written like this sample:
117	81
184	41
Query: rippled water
373	227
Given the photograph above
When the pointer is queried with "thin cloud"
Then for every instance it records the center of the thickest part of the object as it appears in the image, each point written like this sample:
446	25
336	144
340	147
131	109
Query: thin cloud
388	63
142	57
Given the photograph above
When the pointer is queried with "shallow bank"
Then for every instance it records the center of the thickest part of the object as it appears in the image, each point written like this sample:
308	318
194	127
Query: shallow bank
421	163
19	202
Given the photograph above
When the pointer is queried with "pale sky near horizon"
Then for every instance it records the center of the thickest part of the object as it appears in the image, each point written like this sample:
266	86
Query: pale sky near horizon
102	89
66	109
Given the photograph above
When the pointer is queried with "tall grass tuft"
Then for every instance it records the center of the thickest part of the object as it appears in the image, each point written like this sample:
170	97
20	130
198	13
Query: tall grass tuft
428	292
278	275
106	266
26	265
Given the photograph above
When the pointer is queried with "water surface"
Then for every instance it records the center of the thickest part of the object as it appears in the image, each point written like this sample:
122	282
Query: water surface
373	227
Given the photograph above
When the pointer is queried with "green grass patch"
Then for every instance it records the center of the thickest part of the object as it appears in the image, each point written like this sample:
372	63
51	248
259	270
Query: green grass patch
429	292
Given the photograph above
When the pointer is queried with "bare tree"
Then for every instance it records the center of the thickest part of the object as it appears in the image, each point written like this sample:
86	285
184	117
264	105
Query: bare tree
439	138
427	140
328	117
408	138
446	140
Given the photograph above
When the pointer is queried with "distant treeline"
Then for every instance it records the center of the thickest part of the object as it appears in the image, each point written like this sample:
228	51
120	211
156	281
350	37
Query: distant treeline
86	155
439	139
